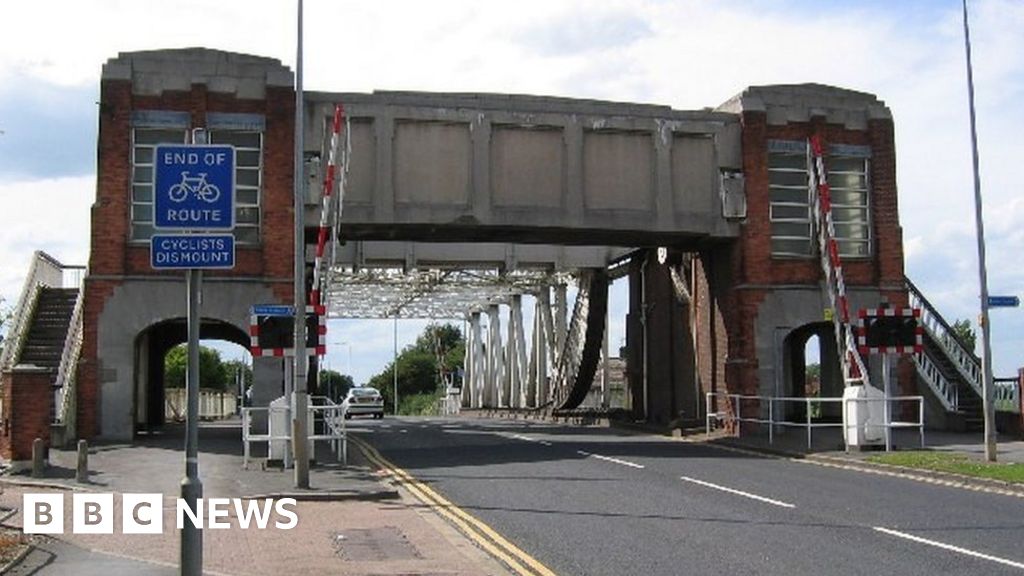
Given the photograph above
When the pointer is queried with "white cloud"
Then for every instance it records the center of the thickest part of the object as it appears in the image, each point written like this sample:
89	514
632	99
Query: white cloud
47	215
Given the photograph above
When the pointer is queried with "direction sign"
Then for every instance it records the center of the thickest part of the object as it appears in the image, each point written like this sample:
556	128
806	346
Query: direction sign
273	310
194	187
1003	301
192	251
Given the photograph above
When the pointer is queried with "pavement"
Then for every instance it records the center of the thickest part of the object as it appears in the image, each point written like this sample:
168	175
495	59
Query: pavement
351	521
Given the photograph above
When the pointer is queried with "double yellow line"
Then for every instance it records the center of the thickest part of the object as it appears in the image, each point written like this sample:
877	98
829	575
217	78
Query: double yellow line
482	534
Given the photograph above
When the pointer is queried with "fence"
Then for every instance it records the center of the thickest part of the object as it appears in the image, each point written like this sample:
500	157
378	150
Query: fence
213	405
1006	392
811	406
322	411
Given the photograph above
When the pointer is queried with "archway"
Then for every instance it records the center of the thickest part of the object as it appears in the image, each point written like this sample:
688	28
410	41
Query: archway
803	348
151	348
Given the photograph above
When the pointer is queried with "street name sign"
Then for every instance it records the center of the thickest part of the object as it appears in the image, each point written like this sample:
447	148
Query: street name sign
194	187
1003	301
192	251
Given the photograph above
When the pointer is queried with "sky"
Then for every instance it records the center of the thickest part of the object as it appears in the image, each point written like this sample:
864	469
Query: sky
687	54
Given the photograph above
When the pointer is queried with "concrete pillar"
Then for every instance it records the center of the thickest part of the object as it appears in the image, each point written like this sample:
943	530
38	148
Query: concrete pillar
492	396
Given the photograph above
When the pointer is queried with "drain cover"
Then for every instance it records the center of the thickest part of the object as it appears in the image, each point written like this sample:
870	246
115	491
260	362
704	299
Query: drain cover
373	545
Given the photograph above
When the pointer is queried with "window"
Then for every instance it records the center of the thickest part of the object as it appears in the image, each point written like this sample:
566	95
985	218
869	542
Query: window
790	206
248	180
848	180
144	142
241	131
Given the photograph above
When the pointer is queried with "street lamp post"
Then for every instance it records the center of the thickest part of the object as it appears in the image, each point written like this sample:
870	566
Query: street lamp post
988	401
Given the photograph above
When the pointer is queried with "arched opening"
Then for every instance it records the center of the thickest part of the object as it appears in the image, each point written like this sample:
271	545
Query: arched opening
812	371
152	346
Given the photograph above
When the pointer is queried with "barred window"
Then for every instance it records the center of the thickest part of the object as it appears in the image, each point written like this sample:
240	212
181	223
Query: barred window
848	180
791	209
144	143
248	180
248	177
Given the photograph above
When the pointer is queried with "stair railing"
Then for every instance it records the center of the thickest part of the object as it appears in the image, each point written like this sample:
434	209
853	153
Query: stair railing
67	371
967	364
944	390
45	271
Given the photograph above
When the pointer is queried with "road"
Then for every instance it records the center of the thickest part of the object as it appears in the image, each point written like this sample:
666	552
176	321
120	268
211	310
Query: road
603	502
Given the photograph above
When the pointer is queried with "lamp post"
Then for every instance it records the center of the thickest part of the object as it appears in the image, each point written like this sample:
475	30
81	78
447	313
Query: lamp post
394	363
988	401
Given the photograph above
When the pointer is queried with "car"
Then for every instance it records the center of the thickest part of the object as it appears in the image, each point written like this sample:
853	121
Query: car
362	401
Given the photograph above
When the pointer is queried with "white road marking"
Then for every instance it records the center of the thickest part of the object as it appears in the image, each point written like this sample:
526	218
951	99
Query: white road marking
950	547
737	492
610	459
528	439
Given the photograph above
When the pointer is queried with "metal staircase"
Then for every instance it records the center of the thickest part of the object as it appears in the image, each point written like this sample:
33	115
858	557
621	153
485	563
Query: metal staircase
950	370
46	331
581	353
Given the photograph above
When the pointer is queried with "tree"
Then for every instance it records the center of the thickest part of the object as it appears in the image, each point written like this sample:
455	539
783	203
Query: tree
418	375
335	385
212	373
6	313
231	370
965	333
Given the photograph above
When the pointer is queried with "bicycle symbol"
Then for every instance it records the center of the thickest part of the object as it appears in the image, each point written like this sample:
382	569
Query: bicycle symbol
197	185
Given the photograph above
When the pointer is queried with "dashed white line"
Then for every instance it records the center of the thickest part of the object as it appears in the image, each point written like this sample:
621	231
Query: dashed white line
737	492
610	459
528	439
949	547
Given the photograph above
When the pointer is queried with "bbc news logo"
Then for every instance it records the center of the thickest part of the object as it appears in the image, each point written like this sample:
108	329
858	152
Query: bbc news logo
144	513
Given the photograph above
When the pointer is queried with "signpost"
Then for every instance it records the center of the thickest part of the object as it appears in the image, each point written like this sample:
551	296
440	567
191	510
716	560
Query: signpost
193	193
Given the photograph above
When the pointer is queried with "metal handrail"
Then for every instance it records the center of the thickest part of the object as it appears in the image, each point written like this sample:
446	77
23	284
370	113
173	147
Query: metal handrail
946	392
334	417
734	402
966	362
45	270
67	371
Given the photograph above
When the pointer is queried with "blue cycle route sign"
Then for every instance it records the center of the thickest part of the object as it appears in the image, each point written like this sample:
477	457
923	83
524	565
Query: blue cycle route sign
194	187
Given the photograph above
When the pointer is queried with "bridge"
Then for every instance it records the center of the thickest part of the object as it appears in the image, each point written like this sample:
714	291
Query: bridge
472	206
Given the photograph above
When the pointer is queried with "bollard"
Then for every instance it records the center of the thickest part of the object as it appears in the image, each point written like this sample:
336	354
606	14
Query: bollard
82	471
38	458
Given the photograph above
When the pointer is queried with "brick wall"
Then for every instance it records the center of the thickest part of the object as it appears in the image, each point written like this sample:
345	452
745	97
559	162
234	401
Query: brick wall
29	390
755	272
113	257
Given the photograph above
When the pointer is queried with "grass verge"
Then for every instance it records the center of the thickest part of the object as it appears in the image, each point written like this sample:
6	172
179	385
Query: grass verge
954	463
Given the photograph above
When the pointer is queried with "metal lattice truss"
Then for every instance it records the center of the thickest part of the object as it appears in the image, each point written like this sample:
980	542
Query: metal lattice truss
429	293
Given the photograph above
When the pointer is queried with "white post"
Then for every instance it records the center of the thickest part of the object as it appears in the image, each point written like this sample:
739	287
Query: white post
492	398
477	361
886	406
519	367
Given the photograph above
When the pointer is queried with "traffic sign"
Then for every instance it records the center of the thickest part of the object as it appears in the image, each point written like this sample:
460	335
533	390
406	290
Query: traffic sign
194	187
192	251
273	310
1003	301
